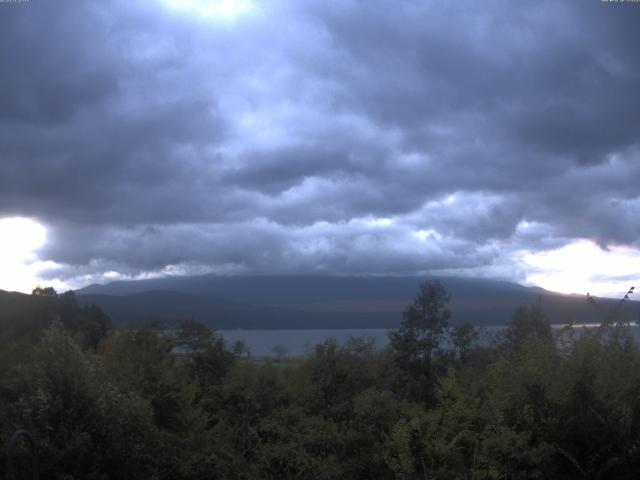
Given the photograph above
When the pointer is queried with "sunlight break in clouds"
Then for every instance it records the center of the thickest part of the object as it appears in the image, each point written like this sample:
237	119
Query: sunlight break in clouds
228	10
583	267
20	239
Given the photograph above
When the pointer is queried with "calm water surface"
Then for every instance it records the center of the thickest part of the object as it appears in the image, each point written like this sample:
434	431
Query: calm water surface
262	343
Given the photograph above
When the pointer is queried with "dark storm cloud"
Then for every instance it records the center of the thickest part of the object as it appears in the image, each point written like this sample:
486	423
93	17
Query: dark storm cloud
47	76
560	78
346	137
263	247
90	134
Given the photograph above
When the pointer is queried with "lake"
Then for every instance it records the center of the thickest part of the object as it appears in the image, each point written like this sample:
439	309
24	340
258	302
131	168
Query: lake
262	343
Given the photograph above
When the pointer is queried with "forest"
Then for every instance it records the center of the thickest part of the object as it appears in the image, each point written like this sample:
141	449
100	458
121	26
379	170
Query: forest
436	403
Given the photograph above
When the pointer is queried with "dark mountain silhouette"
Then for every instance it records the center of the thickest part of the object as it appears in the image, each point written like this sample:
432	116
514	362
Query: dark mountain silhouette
283	289
168	307
325	302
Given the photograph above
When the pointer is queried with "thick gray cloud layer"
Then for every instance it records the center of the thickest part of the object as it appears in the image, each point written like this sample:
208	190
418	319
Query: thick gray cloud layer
314	136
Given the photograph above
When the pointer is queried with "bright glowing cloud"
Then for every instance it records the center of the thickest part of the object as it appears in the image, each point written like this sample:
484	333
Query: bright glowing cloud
583	267
20	239
375	222
228	10
425	235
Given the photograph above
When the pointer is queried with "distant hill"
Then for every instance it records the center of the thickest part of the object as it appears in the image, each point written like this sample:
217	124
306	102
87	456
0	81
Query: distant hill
26	316
301	302
168	307
283	289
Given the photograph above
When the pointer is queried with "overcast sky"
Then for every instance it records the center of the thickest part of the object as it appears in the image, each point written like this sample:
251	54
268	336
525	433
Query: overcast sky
495	138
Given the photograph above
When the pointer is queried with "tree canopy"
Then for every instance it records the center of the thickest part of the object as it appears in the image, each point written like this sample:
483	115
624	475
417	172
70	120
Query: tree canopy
436	403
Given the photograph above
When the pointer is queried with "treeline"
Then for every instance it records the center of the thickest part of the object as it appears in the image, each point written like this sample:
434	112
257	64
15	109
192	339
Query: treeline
26	316
528	405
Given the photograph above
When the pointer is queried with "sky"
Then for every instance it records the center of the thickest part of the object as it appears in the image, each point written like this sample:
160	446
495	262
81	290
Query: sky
493	139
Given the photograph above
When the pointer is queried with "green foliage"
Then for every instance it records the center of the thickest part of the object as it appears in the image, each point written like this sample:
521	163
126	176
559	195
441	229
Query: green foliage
128	404
463	338
85	428
527	324
193	336
418	339
28	315
44	292
423	323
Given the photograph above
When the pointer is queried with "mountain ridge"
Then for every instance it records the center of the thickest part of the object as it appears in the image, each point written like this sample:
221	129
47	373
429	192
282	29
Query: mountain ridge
300	302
